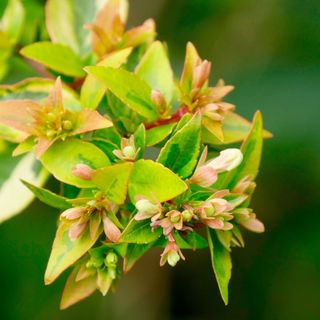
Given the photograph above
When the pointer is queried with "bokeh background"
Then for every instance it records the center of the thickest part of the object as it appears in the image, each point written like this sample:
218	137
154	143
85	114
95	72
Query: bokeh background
270	50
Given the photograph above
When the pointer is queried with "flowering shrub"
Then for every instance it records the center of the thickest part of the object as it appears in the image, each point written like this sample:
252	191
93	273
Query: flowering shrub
144	159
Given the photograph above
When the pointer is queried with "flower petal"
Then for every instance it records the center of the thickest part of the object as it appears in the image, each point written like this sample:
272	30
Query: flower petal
76	230
214	223
73	213
111	230
43	145
55	99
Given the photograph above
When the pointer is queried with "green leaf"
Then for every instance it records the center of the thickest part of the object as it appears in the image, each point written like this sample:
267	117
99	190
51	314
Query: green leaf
181	152
113	181
191	59
251	150
55	56
125	120
158	134
134	253
10	134
140	232
14	197
37	89
182	122
129	88
12	21
63	156
235	129
221	263
152	180
92	90
190	241
66	19
107	147
155	69
75	291
140	140
66	252
109	134
25	146
48	197
119	248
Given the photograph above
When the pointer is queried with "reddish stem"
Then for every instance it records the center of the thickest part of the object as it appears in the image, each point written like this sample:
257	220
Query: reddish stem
174	118
76	84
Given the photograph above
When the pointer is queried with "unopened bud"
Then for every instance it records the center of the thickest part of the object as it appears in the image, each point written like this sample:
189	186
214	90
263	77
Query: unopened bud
111	259
146	206
187	215
173	258
94	263
158	98
51	134
91	203
67	125
227	160
204	176
129	152
175	218
201	74
82	171
112	273
209	210
51	116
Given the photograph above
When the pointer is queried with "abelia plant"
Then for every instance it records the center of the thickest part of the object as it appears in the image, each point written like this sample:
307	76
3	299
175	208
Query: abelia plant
144	159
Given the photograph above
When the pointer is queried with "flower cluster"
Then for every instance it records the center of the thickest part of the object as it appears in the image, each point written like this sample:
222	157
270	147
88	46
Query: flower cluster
221	211
143	160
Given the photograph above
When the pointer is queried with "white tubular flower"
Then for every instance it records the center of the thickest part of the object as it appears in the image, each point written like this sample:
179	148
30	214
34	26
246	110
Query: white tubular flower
227	160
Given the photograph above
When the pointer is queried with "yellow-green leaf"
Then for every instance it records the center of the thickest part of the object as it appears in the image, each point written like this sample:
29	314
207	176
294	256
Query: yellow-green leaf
14	196
65	252
153	180
155	69
251	149
63	156
113	181
129	88
55	56
92	90
235	129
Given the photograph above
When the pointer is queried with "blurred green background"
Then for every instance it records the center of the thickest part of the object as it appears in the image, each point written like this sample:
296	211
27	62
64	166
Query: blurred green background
270	50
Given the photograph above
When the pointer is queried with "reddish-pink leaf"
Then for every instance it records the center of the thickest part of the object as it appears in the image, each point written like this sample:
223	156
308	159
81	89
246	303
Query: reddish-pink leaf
89	120
18	114
74	291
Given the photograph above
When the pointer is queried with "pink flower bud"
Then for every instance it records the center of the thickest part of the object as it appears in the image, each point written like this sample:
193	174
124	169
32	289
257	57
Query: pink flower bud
201	74
111	231
82	171
73	213
157	97
204	176
76	230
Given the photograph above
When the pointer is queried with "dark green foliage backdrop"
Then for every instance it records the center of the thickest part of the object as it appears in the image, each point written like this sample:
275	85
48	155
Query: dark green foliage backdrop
270	50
